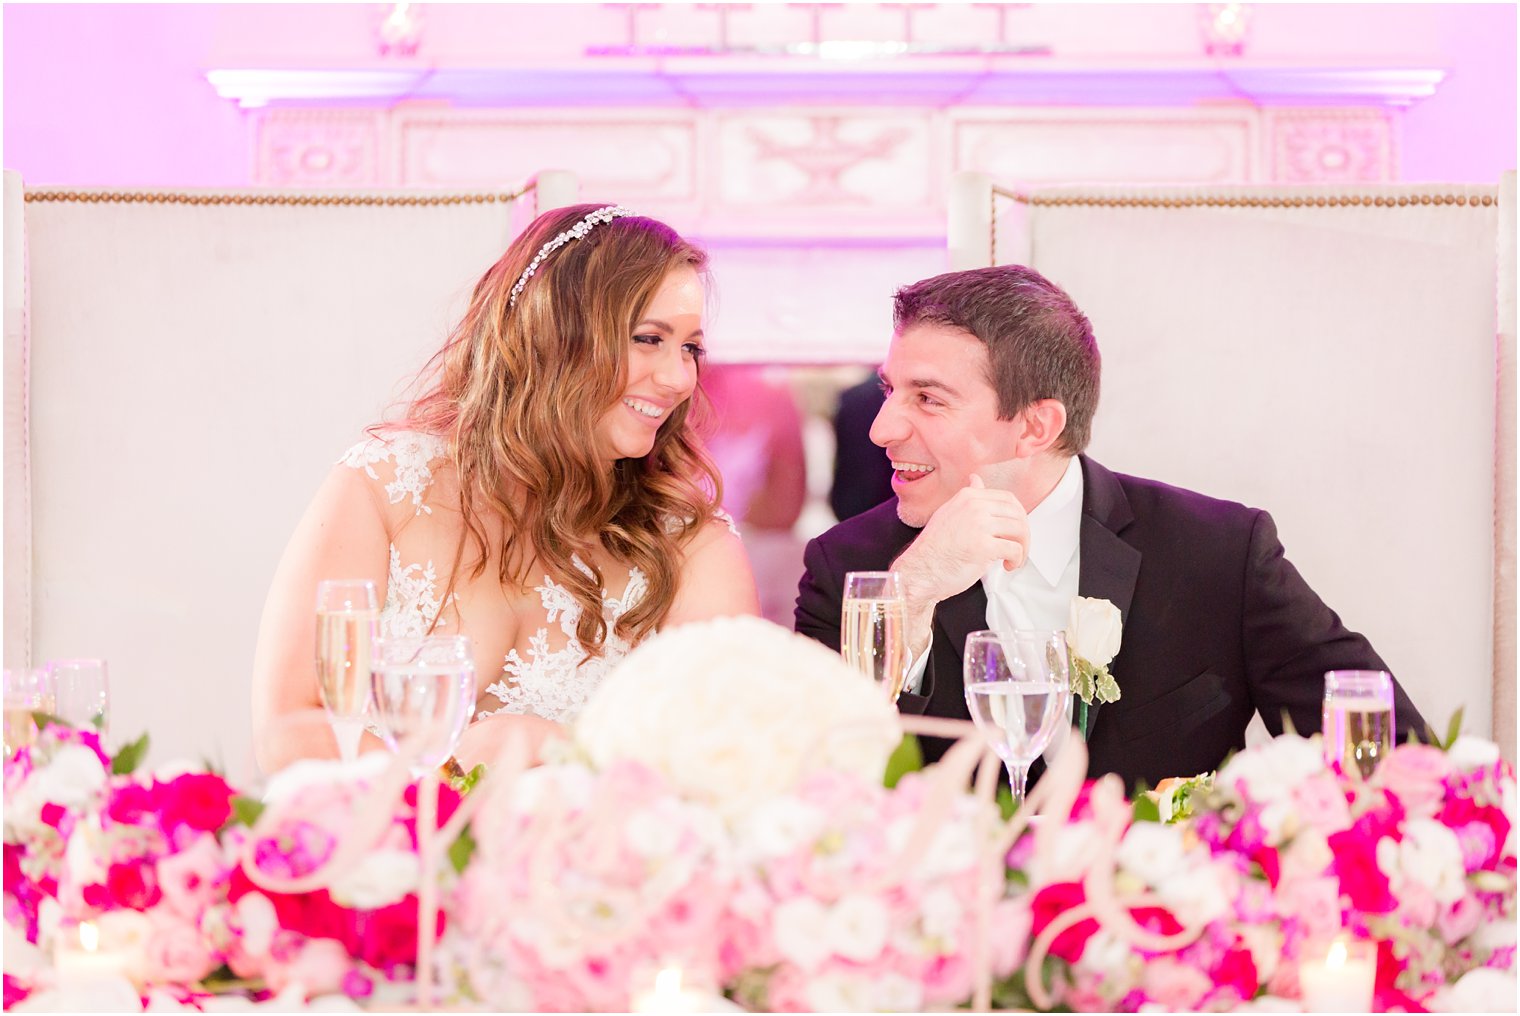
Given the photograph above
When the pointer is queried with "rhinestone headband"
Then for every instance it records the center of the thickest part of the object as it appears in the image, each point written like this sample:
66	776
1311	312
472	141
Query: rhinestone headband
575	232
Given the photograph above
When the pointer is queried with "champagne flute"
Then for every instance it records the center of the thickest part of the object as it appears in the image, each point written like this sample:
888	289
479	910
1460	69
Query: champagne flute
1357	719
873	634
1018	685
424	691
81	695
27	691
348	619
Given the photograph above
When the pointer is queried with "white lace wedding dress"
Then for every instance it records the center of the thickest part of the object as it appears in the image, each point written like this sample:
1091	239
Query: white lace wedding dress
556	675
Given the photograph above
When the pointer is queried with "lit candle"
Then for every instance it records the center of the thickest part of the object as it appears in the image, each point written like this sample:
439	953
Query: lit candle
81	957
1340	982
672	996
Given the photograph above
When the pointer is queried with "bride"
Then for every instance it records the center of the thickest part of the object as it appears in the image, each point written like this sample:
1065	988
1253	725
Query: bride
544	495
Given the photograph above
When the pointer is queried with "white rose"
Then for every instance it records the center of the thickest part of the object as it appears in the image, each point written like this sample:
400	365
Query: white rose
71	778
864	993
1469	752
1196	897
1152	851
858	928
1271	771
381	877
1482	990
777	828
1093	630
1431	855
801	929
735	711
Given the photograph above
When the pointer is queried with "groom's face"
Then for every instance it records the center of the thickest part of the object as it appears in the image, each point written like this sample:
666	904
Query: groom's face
939	423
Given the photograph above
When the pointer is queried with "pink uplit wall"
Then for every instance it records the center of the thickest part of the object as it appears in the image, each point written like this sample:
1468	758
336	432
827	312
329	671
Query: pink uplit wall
114	95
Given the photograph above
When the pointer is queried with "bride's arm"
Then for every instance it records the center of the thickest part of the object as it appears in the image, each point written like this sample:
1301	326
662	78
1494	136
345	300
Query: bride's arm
341	536
716	580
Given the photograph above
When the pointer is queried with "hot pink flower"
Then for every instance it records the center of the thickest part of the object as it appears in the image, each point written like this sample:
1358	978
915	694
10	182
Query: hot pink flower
201	801
1481	829
1237	971
1357	869
1054	900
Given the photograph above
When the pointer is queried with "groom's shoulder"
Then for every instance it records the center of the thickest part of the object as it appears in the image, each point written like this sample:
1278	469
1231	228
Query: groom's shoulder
1169	505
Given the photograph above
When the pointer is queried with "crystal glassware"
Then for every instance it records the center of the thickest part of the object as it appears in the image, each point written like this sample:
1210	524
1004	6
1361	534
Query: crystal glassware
348	620
81	695
27	691
873	635
1357	725
1018	687
424	692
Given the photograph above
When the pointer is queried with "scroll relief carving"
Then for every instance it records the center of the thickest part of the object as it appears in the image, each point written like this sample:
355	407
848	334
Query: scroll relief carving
296	150
827	160
1332	148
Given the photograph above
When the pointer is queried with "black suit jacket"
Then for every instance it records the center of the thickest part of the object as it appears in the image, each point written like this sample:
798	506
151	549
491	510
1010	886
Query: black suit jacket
1218	625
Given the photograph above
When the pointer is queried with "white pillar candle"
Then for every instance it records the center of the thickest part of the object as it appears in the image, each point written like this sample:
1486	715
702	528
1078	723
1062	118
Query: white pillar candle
670	995
1339	980
81	957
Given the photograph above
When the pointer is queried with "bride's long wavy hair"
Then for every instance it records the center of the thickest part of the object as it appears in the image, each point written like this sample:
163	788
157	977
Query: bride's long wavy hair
518	392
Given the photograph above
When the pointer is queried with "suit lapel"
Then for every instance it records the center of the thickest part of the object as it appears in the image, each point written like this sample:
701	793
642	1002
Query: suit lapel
959	616
1110	566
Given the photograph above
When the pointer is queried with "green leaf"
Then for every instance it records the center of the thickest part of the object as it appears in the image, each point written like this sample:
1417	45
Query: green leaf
246	810
130	757
906	758
1453	730
466	783
1146	808
462	849
1005	802
43	720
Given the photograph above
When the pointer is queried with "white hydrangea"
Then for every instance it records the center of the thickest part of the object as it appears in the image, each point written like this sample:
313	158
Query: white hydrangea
735	711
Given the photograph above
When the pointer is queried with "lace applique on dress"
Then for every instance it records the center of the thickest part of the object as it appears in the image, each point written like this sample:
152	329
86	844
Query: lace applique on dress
411	600
556	683
413	454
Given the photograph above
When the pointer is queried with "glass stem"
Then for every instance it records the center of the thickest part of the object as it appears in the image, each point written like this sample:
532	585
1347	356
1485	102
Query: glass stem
348	732
1018	778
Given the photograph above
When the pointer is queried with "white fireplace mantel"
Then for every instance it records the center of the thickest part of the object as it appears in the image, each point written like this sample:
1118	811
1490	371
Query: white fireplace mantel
723	81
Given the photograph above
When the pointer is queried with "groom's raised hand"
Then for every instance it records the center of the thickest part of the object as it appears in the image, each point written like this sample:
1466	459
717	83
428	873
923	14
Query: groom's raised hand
969	532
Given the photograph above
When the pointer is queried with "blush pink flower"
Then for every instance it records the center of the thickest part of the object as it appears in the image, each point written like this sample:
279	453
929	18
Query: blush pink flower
1459	920
319	965
1321	803
190	878
1174	985
1416	775
176	952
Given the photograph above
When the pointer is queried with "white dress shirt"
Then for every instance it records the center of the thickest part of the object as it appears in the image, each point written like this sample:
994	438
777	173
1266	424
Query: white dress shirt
1039	594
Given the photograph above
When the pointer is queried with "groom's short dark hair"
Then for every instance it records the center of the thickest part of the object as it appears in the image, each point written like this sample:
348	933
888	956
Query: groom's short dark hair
1039	344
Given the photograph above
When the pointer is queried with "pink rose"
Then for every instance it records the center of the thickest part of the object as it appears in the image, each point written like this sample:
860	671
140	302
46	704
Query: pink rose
1357	869
1174	985
176	952
189	879
1315	903
1459	920
1237	972
1321	803
319	965
1416	774
1481	830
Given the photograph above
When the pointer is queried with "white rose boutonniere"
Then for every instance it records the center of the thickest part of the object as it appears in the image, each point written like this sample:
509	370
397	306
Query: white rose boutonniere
1093	633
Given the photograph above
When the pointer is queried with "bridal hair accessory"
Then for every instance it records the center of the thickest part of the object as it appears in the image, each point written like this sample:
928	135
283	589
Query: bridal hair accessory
575	232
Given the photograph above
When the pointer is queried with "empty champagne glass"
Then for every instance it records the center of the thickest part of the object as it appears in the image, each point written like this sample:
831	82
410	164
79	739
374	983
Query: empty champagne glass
424	690
80	693
1018	685
27	691
348	619
1357	719
873	634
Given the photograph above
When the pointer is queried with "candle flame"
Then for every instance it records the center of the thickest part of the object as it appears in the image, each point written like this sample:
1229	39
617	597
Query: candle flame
89	936
668	981
1337	955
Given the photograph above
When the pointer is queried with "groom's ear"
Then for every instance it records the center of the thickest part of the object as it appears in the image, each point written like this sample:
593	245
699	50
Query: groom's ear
1041	424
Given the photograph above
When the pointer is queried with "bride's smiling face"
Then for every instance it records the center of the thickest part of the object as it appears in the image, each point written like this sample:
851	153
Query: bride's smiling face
663	354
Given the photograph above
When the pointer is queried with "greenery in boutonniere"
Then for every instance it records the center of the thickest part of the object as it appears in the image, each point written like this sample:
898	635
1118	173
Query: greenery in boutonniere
1093	632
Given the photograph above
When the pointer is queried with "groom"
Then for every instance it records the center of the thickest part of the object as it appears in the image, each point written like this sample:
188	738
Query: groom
1000	520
